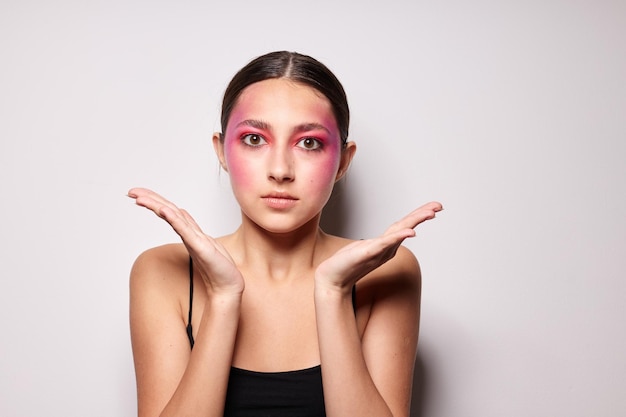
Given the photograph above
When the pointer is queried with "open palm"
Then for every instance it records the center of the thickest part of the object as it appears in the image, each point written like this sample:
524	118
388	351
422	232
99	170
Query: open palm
210	258
357	259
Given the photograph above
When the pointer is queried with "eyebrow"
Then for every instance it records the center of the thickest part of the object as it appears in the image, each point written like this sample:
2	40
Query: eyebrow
304	127
258	124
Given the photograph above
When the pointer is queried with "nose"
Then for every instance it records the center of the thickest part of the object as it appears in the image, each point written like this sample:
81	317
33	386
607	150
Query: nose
280	168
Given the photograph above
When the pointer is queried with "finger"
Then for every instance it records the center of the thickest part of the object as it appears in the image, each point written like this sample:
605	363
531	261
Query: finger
142	192
369	254
151	200
193	225
135	191
393	240
190	219
182	223
426	212
145	195
376	247
196	241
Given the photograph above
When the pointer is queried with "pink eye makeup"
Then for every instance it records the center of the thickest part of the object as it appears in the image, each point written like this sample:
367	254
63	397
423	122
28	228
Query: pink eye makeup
253	140
311	144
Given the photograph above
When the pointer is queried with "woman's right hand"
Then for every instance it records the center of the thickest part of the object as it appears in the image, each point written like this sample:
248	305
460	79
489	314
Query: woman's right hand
210	258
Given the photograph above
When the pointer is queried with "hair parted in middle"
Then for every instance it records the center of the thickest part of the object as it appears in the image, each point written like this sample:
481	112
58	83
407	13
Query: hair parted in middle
295	67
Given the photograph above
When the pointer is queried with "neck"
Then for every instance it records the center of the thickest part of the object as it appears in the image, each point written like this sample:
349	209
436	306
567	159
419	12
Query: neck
279	256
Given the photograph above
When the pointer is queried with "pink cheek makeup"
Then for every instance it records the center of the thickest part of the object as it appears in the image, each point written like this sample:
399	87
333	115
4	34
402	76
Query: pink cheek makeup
332	155
238	167
328	166
321	173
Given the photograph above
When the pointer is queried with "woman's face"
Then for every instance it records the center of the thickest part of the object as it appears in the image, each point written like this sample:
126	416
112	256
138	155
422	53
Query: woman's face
283	152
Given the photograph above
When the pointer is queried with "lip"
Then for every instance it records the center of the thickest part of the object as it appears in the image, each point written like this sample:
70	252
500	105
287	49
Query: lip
279	200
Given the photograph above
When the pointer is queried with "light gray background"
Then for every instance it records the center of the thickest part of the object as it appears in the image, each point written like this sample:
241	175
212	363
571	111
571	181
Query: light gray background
510	113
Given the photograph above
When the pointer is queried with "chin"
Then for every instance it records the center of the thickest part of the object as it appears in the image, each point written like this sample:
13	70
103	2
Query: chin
282	225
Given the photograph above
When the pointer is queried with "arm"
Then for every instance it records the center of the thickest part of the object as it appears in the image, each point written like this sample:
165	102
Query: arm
372	376
172	379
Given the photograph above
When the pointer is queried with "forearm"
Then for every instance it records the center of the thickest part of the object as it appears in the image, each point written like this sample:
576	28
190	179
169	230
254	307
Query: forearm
202	389
348	386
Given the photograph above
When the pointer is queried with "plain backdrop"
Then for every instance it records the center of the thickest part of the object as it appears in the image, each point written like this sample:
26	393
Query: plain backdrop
511	113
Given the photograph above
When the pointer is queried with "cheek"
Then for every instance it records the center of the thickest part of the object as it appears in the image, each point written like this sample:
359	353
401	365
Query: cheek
330	165
329	169
238	168
324	173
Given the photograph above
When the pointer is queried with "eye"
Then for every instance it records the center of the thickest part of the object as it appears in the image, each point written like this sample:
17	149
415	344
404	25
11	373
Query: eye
252	139
310	144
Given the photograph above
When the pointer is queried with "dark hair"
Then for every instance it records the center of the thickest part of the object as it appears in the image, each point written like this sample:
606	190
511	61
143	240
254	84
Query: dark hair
292	66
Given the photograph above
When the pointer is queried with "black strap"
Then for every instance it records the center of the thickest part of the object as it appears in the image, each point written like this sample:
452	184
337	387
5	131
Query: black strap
189	328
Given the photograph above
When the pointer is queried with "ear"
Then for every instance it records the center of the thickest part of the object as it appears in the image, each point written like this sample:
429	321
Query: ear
218	145
346	157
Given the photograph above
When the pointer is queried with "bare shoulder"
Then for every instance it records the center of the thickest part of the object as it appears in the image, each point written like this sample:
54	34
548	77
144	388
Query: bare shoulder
403	266
159	262
399	278
160	270
159	286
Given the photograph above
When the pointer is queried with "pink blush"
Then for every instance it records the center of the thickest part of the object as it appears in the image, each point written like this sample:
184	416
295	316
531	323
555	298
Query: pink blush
237	171
322	174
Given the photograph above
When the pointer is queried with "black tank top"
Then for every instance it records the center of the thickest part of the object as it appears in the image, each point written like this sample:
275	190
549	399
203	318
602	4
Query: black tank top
296	393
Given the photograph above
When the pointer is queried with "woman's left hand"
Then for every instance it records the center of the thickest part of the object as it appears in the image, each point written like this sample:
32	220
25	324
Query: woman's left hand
355	260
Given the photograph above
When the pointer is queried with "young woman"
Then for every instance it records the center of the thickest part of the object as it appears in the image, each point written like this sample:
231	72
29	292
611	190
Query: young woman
277	318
